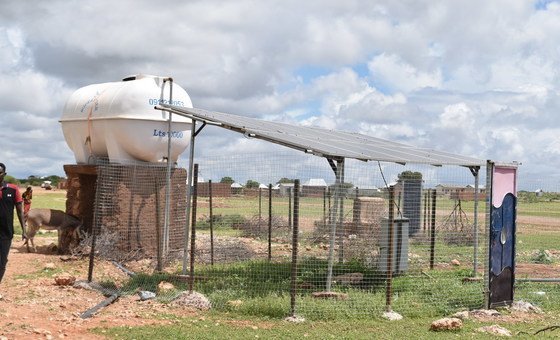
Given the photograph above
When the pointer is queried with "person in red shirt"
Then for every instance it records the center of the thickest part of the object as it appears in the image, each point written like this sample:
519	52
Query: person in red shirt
10	198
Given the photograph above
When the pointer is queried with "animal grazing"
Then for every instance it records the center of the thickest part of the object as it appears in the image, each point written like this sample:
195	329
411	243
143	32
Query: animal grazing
51	219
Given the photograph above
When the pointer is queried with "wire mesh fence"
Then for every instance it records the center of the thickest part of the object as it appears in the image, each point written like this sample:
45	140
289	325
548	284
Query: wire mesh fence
279	234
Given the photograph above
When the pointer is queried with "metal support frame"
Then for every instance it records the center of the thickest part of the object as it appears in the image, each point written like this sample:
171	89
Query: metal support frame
339	174
489	175
475	171
165	239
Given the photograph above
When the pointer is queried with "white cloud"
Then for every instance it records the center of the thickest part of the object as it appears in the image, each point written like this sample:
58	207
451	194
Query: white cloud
391	71
473	77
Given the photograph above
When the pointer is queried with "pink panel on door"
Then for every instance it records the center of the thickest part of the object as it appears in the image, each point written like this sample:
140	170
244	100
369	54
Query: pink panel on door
504	181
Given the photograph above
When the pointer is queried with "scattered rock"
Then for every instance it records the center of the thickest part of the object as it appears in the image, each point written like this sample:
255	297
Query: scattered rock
164	287
455	262
330	295
49	266
464	315
64	279
392	316
446	324
526	307
146	295
472	279
484	313
494	330
349	279
194	299
295	319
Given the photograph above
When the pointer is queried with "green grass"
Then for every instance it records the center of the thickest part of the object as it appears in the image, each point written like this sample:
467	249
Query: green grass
263	288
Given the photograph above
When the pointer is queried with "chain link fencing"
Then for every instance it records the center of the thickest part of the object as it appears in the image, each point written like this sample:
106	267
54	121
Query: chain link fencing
277	235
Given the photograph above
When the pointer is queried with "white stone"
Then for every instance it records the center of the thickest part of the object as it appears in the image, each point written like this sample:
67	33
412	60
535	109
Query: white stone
392	316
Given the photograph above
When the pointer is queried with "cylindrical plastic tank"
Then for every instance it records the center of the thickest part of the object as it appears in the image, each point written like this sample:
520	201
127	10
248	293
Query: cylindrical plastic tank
118	120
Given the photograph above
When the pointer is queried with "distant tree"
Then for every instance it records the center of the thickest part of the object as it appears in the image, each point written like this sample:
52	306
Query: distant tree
410	175
345	186
285	180
227	180
11	179
252	184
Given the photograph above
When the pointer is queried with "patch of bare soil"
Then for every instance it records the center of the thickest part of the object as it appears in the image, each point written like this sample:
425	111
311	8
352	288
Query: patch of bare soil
34	307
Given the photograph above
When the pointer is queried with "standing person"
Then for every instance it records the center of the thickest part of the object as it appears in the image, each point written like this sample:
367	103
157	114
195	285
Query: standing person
27	197
10	198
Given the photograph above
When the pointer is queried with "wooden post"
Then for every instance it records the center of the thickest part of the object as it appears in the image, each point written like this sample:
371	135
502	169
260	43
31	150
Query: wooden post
433	231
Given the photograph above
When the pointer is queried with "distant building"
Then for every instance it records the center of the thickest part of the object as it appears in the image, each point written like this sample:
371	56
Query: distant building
459	192
236	188
285	188
539	192
314	187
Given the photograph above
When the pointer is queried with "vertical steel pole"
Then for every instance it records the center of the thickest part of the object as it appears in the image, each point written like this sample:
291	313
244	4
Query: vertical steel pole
425	209
166	218
269	222
391	222
295	236
260	207
488	228
332	236
193	230
341	229
189	197
324	207
290	223
475	225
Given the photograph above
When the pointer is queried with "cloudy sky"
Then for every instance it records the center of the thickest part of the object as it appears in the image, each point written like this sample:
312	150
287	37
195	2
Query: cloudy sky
478	78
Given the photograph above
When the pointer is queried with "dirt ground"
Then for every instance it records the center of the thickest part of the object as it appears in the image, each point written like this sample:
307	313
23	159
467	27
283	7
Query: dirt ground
33	306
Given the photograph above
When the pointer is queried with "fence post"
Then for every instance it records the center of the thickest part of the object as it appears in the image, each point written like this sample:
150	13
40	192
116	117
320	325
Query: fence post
290	223
159	232
425	209
260	207
193	224
211	222
92	254
324	207
391	222
269	222
294	249
433	231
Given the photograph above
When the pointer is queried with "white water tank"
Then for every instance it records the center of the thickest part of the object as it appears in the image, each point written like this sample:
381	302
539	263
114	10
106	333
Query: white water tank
118	120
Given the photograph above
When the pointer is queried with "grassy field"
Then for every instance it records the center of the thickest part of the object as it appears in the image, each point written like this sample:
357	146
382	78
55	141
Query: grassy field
262	288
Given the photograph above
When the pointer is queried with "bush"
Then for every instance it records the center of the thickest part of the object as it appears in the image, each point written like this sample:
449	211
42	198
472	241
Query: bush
235	221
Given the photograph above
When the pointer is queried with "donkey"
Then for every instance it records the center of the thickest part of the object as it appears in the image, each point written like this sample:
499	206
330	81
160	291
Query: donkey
51	219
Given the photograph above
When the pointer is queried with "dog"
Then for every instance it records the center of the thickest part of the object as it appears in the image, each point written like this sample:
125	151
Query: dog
51	219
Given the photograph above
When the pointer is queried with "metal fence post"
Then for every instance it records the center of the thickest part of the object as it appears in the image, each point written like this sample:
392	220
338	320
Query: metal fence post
295	236
193	224
269	222
391	222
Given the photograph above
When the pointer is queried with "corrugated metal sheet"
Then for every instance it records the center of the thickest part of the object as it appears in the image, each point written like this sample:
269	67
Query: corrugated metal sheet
327	143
